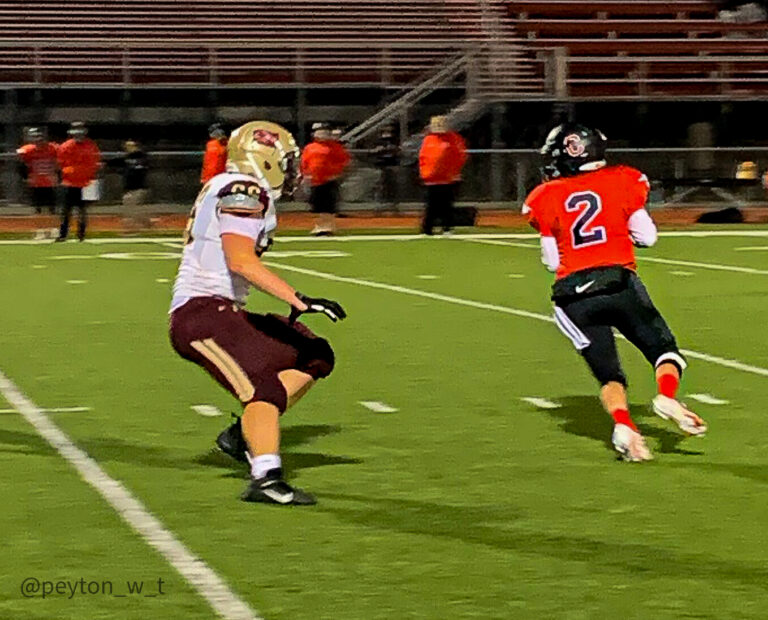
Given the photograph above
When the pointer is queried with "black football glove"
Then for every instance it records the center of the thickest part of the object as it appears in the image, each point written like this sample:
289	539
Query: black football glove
316	304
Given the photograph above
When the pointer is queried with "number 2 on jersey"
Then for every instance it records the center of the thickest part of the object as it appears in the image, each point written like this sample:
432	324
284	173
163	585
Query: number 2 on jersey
590	205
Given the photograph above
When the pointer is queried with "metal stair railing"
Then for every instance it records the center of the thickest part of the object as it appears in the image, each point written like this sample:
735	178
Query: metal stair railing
423	87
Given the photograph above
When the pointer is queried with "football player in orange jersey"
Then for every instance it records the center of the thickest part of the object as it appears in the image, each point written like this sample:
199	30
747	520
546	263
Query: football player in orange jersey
590	217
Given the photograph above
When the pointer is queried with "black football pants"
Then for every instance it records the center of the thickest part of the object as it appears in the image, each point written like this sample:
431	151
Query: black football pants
439	207
73	197
589	321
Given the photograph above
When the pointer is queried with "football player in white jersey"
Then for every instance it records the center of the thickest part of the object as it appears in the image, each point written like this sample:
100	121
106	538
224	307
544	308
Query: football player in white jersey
267	361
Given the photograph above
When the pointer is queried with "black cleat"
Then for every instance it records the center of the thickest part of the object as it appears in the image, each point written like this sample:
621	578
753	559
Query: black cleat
272	489
230	441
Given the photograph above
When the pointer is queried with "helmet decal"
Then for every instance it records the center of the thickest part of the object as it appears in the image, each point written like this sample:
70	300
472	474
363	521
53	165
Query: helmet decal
265	137
573	145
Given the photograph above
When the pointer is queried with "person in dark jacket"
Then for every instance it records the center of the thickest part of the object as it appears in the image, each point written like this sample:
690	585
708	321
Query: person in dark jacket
134	165
387	160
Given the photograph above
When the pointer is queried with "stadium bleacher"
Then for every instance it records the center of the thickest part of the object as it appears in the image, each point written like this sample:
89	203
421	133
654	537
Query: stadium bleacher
642	48
609	48
234	42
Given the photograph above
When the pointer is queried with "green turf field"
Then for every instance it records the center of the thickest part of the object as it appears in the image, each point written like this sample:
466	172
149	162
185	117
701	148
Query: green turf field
467	502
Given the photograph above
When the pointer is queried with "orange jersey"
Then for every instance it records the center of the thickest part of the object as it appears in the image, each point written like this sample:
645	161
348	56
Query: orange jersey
79	162
323	161
40	160
441	158
588	216
214	160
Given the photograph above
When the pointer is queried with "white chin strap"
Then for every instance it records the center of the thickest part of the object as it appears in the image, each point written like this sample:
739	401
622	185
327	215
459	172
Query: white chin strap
593	165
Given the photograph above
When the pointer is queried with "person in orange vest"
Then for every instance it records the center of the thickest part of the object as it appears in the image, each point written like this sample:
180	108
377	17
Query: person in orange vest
79	160
40	169
442	156
215	158
323	161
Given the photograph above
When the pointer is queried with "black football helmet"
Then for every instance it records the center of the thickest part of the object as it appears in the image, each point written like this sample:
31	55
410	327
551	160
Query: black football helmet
571	149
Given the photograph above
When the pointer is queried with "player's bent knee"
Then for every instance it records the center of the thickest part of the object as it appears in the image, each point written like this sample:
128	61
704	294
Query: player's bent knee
317	358
612	377
271	391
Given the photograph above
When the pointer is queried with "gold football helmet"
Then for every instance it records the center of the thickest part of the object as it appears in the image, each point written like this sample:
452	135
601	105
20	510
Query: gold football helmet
268	152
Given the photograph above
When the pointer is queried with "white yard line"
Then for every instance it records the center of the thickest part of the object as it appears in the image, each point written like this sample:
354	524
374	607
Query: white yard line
54	410
714	359
707	399
697	234
208	411
752	248
377	406
77	281
712	266
541	403
647	259
196	572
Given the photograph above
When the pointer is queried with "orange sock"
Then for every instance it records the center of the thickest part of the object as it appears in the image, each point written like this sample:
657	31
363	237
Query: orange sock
668	384
621	416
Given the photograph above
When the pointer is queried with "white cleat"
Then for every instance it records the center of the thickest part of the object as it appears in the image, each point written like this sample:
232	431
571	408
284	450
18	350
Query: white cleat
687	420
630	444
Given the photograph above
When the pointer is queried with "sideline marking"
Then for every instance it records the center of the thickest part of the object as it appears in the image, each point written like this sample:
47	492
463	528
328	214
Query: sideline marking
53	410
377	407
177	255
196	572
714	359
541	403
208	411
752	248
707	399
696	234
713	266
647	259
77	281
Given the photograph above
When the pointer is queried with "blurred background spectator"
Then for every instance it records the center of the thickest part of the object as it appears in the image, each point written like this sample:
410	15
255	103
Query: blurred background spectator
442	156
323	161
37	163
79	159
741	12
386	155
133	163
215	157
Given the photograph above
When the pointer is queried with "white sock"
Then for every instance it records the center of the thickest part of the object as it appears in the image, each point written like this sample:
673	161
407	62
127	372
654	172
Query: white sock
262	463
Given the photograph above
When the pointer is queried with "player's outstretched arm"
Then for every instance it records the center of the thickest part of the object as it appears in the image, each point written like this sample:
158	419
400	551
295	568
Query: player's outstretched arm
242	260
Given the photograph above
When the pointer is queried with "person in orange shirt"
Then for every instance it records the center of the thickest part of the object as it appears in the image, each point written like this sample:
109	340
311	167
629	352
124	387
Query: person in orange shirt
591	216
40	169
323	161
79	160
442	156
215	157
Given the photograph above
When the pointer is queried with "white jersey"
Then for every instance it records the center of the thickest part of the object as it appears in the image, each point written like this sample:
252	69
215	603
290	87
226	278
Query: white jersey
203	271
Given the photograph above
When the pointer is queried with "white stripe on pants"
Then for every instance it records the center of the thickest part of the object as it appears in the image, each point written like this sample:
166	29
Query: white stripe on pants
573	333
